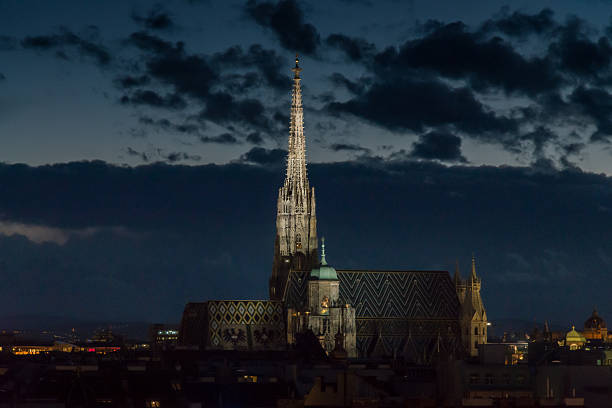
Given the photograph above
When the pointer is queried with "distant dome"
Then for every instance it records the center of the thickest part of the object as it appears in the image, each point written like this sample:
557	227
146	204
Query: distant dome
573	336
595	322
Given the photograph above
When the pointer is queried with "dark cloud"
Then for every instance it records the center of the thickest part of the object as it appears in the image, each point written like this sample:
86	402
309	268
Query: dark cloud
348	147
67	39
485	63
356	49
178	221
129	81
255	138
579	55
267	157
355	87
152	43
7	43
286	20
174	157
268	62
156	19
151	98
224	138
539	137
519	24
412	104
166	125
439	146
200	77
158	155
406	87
595	104
223	108
134	153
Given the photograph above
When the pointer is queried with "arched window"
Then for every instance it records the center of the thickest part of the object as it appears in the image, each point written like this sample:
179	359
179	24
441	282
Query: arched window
298	241
476	330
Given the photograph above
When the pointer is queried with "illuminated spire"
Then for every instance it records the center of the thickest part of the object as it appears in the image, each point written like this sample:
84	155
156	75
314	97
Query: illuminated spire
296	181
323	260
474	277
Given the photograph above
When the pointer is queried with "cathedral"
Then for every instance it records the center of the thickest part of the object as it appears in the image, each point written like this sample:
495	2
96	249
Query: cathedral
410	314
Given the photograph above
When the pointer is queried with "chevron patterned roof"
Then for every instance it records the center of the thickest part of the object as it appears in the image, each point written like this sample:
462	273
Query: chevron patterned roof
409	313
388	294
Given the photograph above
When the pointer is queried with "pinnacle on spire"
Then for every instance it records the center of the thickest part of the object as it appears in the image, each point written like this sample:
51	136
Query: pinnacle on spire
296	70
457	277
474	277
323	260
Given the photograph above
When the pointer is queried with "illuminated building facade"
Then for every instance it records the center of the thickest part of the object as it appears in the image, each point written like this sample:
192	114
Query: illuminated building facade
295	247
324	312
415	315
247	325
473	316
595	328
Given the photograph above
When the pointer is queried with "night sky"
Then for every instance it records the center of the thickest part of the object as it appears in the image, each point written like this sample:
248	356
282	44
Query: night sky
142	145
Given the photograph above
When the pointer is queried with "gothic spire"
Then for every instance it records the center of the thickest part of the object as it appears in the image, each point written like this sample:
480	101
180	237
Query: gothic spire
296	181
323	260
473	276
457	277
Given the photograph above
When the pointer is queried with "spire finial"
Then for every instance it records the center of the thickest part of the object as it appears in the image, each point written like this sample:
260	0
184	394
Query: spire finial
473	267
323	260
297	68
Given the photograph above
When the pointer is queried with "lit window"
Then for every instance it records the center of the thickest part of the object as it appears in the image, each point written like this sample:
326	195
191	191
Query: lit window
298	241
153	404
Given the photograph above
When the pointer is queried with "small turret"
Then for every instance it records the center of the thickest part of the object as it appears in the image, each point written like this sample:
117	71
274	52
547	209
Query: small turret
324	271
457	276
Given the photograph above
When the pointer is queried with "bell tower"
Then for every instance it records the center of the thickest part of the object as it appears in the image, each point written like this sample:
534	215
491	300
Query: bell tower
473	316
295	247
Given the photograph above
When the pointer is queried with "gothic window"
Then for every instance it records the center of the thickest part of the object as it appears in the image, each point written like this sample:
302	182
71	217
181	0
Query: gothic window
476	330
325	326
298	241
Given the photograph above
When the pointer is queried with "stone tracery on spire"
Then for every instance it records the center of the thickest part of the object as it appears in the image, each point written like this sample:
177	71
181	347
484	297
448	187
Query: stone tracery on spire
296	181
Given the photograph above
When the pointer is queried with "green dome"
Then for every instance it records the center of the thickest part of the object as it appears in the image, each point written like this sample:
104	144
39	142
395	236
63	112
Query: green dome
324	271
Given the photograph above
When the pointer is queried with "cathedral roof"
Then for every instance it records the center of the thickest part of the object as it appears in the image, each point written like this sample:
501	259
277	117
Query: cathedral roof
324	271
595	321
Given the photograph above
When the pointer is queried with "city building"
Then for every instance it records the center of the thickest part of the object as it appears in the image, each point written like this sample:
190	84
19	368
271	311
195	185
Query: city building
473	317
595	328
413	315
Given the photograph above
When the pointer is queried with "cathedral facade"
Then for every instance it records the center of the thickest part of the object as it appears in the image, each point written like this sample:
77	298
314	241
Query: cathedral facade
409	314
